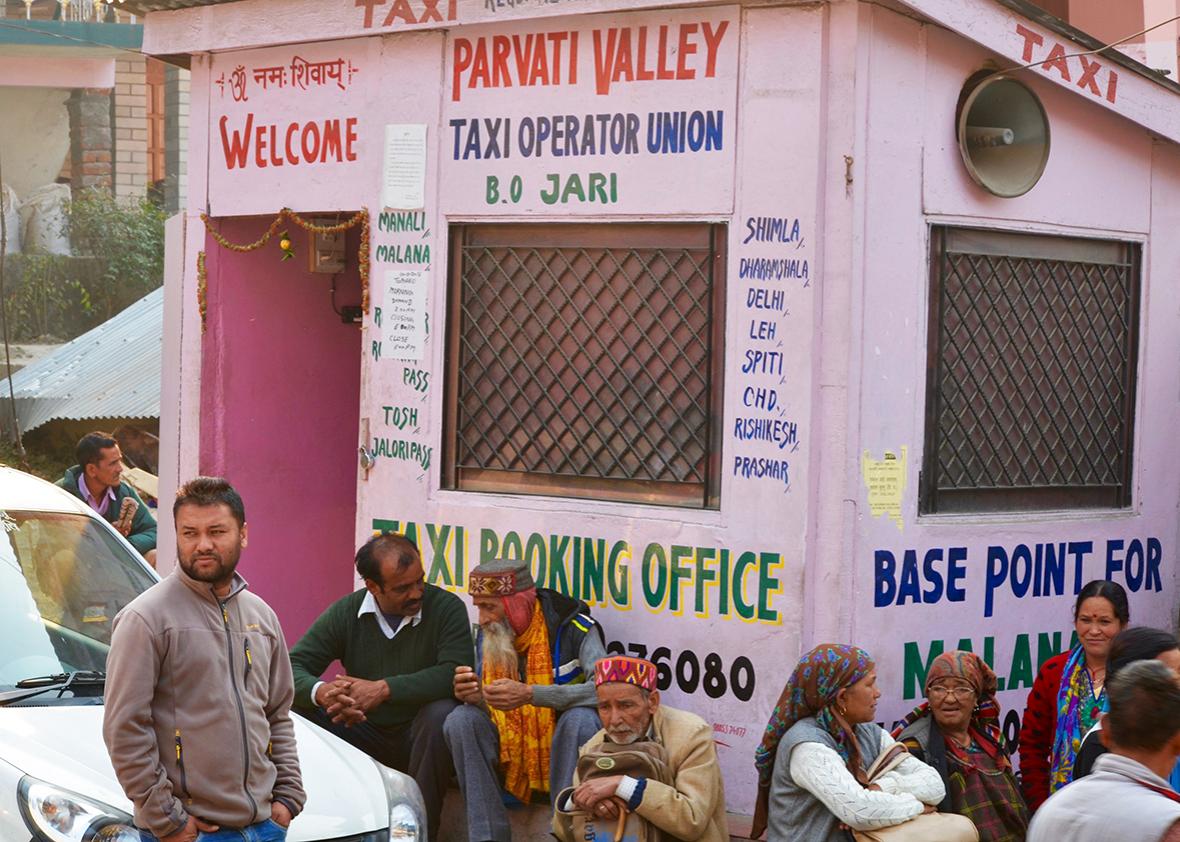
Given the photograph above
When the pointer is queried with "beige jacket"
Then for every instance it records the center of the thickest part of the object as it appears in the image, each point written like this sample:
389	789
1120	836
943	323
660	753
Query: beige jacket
692	808
198	695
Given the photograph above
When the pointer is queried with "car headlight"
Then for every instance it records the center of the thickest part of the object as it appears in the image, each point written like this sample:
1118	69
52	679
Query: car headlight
58	815
407	812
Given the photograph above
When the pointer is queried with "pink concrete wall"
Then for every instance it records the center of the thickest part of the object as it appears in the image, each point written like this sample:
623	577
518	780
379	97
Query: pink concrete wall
849	134
1106	179
279	412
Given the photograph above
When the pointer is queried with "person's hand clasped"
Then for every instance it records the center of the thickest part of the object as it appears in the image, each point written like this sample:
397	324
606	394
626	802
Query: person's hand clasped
506	694
365	694
466	686
597	797
192	828
336	700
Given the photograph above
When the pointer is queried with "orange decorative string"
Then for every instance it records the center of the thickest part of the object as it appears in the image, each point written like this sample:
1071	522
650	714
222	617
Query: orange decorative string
360	218
202	287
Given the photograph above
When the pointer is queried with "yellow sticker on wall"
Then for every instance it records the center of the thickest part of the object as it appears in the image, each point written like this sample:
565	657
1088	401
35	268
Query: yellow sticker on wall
885	480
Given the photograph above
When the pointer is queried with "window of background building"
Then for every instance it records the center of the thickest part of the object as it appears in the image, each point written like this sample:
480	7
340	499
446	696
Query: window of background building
586	361
1031	372
155	121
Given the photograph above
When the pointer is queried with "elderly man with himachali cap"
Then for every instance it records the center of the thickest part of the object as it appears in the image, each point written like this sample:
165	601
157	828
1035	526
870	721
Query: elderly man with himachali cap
529	704
691	805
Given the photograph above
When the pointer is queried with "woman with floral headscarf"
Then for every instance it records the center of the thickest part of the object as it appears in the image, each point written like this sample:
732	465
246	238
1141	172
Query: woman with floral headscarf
820	741
956	730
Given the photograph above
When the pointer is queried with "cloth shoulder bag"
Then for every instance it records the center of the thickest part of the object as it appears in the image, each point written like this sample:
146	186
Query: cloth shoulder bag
928	827
643	759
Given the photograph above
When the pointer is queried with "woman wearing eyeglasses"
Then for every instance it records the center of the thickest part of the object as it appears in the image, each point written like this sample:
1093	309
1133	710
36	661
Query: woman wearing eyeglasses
957	731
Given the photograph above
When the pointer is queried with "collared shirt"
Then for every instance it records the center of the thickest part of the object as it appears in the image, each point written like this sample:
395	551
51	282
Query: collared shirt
99	506
369	606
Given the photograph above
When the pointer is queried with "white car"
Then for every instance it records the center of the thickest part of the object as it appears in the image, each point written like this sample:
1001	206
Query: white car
64	573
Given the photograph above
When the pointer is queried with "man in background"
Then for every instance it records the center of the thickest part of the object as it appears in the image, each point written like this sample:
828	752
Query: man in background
399	640
690	803
1126	796
97	480
529	702
198	692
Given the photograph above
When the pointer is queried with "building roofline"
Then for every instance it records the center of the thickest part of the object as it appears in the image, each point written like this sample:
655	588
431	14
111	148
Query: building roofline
1085	39
75	35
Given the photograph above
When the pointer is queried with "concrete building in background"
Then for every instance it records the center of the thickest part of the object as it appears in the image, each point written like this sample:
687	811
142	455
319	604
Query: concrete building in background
83	106
754	325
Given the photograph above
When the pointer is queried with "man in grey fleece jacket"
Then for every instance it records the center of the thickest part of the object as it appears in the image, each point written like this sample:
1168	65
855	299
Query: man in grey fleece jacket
199	688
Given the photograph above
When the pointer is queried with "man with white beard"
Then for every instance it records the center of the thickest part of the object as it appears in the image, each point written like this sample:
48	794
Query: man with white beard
529	704
691	806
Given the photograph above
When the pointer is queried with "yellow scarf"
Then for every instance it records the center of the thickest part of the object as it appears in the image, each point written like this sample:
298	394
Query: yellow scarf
527	731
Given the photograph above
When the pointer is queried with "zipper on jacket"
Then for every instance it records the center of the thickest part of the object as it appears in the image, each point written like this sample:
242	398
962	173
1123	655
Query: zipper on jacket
180	765
229	651
249	661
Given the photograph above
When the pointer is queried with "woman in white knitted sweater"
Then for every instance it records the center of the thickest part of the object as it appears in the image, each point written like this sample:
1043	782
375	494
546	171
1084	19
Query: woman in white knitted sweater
821	739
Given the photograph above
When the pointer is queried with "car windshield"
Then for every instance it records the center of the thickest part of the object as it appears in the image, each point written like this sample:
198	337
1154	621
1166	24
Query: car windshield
63	577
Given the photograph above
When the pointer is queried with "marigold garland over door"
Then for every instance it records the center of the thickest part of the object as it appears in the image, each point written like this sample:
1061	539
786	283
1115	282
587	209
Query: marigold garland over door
361	218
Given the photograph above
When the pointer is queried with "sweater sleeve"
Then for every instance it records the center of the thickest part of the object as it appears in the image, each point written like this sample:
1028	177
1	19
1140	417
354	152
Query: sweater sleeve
1036	733
912	776
565	696
143	525
320	645
455	648
821	771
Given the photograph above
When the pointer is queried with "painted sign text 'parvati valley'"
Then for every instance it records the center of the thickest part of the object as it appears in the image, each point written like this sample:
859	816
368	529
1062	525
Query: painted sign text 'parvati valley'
592	117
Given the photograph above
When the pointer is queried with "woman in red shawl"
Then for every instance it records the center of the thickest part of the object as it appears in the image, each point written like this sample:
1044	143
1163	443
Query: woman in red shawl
957	732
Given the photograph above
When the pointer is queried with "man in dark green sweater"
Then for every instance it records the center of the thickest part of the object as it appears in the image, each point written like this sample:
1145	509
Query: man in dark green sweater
399	640
97	480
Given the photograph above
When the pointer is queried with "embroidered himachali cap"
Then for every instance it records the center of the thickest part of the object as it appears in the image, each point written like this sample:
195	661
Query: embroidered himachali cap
502	577
623	670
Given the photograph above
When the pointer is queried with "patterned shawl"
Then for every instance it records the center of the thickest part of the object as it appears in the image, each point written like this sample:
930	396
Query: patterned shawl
526	732
811	691
1077	711
985	719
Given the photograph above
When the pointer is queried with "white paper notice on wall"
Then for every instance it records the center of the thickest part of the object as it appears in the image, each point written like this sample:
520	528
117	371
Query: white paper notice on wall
403	173
403	318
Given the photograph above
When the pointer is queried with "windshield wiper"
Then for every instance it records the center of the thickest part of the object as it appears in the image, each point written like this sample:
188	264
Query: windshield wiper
61	682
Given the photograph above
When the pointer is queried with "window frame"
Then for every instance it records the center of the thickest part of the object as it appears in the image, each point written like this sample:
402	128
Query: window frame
1028	499
703	496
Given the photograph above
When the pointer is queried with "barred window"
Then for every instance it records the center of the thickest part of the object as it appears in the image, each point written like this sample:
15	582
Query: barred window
586	361
1031	372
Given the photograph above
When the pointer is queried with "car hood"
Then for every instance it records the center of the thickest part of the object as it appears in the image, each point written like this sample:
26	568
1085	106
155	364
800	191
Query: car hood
62	745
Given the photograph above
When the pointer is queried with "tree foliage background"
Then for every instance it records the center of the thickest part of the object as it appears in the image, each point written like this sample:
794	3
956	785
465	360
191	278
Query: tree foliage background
118	258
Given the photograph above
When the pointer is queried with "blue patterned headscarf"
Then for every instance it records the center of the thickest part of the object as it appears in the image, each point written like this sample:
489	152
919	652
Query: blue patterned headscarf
811	691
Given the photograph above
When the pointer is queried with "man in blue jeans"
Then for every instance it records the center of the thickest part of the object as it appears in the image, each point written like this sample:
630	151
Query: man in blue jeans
199	689
265	831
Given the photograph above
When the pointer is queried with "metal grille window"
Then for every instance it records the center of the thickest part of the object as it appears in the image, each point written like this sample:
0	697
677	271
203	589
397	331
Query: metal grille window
585	361
1031	390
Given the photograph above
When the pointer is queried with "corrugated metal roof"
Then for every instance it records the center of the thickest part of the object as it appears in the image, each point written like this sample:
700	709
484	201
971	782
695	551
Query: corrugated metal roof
112	371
